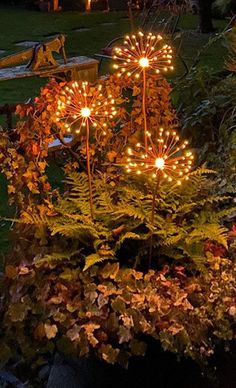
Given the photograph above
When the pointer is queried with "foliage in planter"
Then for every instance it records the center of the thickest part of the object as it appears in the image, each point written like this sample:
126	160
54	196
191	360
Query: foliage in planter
106	311
210	121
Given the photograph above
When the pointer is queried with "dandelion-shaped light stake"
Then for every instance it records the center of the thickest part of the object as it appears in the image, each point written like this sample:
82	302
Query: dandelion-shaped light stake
139	55
165	158
82	108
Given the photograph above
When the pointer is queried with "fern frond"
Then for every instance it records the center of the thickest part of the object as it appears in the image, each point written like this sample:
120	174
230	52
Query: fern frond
93	259
224	213
211	232
127	236
79	218
104	203
133	192
185	208
33	218
172	240
54	257
79	191
125	209
196	253
74	230
78	182
201	171
212	199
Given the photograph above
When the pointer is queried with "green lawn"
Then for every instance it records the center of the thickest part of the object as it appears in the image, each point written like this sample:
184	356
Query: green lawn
20	24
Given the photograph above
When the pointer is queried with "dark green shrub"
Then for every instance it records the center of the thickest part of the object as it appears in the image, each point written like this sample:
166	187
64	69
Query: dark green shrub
222	8
206	103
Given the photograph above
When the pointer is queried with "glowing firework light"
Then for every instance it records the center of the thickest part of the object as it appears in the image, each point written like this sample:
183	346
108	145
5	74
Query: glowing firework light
85	107
143	52
79	105
166	157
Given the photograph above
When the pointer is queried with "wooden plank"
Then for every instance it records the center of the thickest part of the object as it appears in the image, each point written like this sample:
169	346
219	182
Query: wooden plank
80	68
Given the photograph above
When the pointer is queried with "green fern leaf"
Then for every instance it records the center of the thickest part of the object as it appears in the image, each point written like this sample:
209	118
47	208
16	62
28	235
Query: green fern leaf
173	240
54	257
74	230
126	209
127	236
93	259
210	200
32	219
211	232
201	171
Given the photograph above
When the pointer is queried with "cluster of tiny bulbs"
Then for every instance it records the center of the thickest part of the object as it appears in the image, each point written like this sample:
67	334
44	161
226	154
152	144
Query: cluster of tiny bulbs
166	157
79	105
143	52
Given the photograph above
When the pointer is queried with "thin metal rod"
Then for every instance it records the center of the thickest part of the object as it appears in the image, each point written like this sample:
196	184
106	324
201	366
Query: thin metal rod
154	196
89	170
144	108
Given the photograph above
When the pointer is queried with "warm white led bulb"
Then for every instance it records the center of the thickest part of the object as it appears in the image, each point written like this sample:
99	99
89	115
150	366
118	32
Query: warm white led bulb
144	62
85	112
160	163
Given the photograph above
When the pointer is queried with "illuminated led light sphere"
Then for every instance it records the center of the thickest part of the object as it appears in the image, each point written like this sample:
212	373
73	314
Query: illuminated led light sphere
144	62
166	157
143	52
80	104
160	163
85	112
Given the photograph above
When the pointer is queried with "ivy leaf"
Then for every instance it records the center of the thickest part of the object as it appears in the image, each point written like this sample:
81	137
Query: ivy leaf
39	332
136	91
74	333
10	271
124	335
175	328
110	270
109	354
69	274
118	305
111	155
18	311
138	348
11	189
50	330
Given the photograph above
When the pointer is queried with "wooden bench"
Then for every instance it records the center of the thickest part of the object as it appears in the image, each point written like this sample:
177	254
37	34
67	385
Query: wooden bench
76	68
41	63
